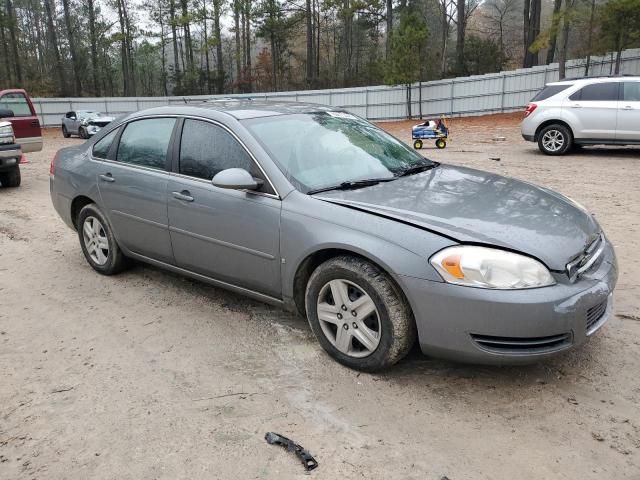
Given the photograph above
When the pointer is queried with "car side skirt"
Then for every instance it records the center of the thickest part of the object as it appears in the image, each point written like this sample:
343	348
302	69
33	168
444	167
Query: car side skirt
212	281
590	141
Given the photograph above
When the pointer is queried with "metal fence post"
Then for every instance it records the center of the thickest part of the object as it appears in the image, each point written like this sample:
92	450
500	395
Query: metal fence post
504	80
366	103
453	80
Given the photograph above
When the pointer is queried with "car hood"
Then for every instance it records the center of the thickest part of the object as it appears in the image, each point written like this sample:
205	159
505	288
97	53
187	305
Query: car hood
101	119
472	206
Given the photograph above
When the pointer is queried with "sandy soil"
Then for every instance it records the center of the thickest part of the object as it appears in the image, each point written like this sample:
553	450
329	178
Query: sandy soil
149	375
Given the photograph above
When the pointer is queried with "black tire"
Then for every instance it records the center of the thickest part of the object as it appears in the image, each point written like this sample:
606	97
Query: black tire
83	133
441	143
11	178
115	259
555	140
65	133
397	328
417	144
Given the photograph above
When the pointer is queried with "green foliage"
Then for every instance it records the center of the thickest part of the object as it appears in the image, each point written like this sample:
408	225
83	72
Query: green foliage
407	44
620	24
482	55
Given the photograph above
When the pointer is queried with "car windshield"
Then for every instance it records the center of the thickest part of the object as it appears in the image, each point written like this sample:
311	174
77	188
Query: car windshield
325	149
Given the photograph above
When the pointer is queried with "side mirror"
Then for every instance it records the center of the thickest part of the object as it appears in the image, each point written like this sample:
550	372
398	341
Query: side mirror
236	179
6	113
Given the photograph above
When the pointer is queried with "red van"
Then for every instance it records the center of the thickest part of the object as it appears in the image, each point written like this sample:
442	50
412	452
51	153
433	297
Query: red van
17	108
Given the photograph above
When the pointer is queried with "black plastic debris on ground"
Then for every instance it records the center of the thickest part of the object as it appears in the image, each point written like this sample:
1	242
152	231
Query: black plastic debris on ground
305	457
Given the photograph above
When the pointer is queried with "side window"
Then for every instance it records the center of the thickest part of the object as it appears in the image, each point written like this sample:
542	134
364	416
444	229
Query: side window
632	91
101	148
145	142
598	92
206	149
16	102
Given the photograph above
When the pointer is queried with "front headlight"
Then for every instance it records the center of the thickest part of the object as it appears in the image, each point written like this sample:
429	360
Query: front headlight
6	134
490	268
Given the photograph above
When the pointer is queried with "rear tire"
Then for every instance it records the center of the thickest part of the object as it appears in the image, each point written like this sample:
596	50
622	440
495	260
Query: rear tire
440	143
11	178
65	132
98	242
382	318
555	139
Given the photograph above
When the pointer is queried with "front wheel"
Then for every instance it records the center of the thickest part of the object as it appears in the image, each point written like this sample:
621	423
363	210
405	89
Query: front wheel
98	243
555	140
83	133
440	143
417	144
11	178
359	316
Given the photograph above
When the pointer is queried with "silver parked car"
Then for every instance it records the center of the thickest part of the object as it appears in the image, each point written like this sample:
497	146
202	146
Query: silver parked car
319	211
588	111
84	123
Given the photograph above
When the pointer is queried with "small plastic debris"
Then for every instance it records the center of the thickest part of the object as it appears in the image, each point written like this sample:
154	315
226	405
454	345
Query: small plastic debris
495	159
308	461
499	139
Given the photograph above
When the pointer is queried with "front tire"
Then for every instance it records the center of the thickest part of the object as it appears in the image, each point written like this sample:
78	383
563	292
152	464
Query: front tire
98	242
83	133
417	144
11	178
359	316
555	139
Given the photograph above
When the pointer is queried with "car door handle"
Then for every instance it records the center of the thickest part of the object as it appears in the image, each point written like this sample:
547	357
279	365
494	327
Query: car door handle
183	195
628	107
107	177
576	105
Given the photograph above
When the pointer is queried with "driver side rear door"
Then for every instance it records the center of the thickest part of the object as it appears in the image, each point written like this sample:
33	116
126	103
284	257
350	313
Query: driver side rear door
232	236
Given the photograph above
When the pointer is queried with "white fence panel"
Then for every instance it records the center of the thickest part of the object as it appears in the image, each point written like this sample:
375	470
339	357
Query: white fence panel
475	95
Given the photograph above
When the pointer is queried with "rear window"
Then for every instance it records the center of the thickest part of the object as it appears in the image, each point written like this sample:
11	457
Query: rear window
598	92
550	91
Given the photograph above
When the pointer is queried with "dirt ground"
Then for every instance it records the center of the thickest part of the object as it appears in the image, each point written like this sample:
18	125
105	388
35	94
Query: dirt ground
149	375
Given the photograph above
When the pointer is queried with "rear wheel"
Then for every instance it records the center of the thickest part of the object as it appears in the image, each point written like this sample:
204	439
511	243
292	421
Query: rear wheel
65	132
417	144
555	140
358	314
11	178
98	243
441	143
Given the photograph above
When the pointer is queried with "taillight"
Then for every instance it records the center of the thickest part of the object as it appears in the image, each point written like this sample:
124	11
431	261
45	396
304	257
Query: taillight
52	167
528	110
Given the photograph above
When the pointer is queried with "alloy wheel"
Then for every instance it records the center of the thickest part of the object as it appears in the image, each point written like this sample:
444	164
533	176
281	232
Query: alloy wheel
95	240
349	318
553	140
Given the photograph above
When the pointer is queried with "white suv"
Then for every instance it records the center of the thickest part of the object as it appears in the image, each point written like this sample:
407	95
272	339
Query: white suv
587	111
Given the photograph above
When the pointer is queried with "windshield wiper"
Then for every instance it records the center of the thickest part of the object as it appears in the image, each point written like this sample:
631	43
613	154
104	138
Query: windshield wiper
417	169
351	185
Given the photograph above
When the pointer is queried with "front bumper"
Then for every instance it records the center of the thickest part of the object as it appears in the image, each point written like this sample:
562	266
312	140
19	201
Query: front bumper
529	138
511	327
9	156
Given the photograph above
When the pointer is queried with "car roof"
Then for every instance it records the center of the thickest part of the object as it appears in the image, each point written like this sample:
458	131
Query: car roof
587	80
241	109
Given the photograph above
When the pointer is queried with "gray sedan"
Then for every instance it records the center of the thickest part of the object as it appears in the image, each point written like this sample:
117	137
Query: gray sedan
318	211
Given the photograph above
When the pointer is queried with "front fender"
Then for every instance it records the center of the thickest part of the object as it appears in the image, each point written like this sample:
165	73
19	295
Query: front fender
309	226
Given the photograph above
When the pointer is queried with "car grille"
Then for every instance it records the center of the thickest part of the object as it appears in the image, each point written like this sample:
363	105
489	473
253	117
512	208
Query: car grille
523	345
594	315
587	259
98	123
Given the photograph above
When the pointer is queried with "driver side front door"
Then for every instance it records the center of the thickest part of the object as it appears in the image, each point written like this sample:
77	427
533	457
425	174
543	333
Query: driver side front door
230	235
